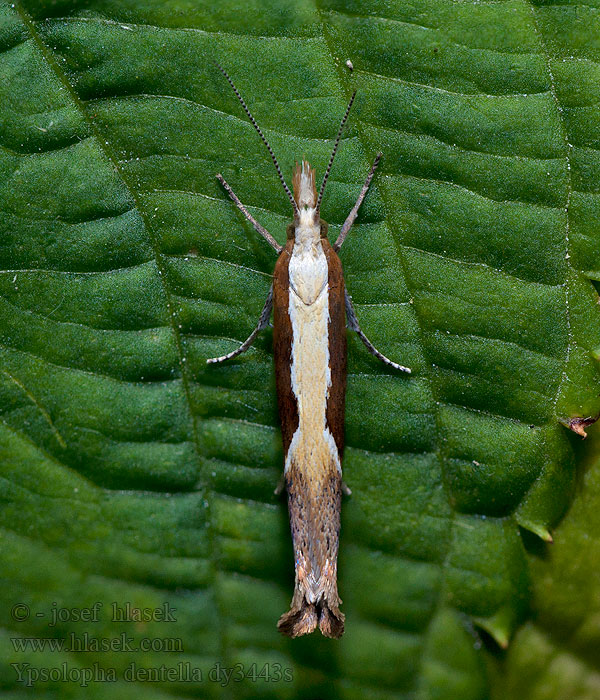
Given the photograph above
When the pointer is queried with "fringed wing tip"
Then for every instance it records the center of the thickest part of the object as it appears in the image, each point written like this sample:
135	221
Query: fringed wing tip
295	623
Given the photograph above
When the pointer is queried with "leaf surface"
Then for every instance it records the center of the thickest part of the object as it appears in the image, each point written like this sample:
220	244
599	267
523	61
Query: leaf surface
132	471
556	654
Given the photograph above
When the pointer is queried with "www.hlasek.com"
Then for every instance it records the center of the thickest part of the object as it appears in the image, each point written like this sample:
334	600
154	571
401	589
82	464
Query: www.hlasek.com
86	642
183	671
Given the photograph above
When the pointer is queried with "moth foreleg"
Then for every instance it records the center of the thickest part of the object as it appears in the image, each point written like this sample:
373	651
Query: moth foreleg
261	229
353	324
263	322
354	213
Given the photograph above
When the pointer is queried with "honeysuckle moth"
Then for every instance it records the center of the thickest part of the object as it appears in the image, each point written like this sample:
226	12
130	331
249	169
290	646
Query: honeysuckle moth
311	310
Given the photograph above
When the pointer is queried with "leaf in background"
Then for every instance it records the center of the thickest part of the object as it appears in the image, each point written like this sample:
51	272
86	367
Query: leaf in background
131	471
556	655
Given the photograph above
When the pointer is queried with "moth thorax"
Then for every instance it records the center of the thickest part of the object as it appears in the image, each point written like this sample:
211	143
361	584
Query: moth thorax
307	233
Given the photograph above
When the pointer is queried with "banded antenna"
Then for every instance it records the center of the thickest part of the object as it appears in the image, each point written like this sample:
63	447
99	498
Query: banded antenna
335	147
262	136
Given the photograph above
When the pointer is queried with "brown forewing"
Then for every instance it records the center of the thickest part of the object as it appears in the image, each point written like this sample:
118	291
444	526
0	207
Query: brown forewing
282	347
337	347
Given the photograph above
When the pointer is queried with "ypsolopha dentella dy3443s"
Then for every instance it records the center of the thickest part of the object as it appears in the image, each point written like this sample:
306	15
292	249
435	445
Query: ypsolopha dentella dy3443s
311	308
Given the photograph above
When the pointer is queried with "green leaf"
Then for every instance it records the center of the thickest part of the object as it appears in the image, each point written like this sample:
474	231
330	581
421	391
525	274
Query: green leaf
133	472
556	655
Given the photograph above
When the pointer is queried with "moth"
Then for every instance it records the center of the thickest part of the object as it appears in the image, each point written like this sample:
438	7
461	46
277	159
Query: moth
311	310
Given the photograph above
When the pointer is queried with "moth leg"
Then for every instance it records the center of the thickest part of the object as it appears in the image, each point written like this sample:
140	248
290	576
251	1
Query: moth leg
346	490
354	326
261	229
263	322
354	213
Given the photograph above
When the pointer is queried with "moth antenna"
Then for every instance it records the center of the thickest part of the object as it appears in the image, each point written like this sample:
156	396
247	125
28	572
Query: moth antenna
262	136
335	147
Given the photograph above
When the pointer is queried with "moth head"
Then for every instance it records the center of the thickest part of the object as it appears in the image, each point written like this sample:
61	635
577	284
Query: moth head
307	228
307	217
305	190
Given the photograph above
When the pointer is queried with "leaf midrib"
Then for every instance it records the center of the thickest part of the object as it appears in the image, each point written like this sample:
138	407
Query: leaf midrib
569	192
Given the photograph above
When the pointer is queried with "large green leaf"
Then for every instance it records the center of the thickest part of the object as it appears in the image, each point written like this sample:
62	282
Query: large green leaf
131	471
